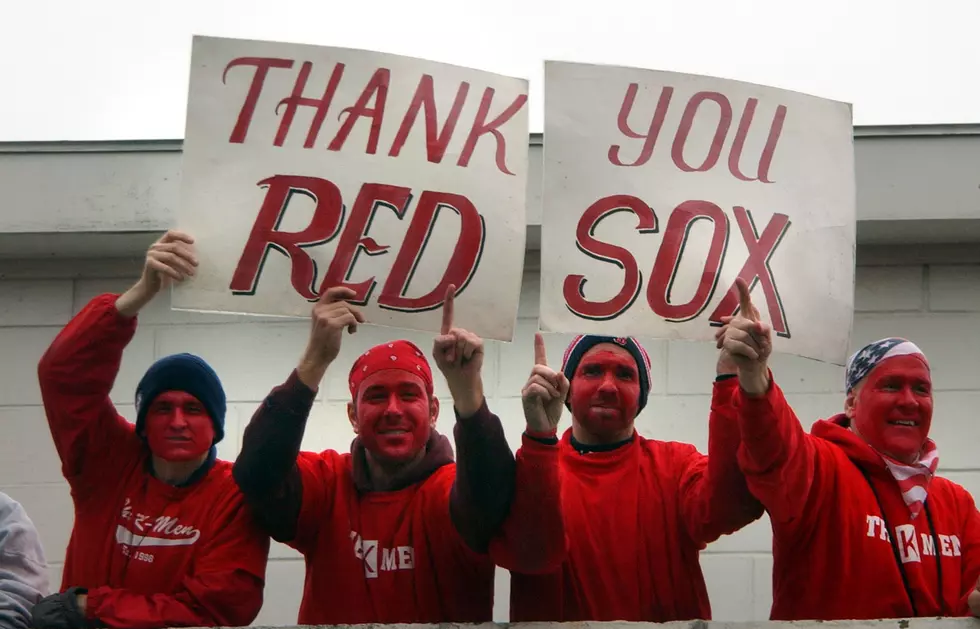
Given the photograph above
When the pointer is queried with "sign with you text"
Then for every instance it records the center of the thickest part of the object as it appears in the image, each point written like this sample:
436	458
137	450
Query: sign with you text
660	189
308	167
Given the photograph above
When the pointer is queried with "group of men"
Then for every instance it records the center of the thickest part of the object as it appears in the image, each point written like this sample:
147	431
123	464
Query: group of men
595	523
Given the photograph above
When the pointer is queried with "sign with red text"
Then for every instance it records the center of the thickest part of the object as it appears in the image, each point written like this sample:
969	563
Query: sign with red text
306	167
660	189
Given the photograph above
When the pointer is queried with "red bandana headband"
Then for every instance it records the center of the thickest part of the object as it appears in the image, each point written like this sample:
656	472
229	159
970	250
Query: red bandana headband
403	355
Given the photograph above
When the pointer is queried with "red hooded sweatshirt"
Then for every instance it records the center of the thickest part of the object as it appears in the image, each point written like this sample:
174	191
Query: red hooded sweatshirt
422	551
844	543
150	554
635	519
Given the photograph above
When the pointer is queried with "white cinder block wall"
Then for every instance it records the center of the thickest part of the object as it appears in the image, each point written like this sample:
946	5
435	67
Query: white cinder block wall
938	306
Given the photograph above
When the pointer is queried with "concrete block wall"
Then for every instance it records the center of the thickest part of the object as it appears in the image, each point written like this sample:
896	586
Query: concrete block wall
937	305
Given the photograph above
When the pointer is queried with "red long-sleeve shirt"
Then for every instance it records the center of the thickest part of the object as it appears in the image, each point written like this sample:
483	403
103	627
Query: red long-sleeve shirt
634	520
832	556
150	554
422	551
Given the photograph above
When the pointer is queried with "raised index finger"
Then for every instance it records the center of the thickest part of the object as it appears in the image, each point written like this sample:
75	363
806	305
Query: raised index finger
745	300
540	352
447	309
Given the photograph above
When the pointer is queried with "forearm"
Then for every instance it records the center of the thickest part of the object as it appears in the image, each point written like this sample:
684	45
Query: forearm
775	454
485	472
266	470
721	503
217	604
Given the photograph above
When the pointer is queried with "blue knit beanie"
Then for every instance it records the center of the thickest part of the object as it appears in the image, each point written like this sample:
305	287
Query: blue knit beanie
584	342
187	373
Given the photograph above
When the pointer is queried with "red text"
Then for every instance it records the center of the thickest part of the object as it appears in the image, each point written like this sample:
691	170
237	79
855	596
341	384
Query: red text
328	222
660	297
370	106
684	161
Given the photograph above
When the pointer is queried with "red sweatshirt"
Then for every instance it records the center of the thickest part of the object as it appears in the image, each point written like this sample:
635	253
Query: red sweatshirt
151	554
419	552
635	519
832	556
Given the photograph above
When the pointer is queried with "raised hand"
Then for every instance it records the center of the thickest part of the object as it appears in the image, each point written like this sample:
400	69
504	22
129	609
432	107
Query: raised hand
331	316
544	394
171	259
748	342
459	355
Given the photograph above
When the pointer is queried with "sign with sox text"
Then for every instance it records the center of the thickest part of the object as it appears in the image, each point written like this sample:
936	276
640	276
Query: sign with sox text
660	189
307	167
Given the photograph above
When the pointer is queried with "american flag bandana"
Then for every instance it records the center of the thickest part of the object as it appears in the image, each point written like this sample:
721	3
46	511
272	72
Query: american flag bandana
868	357
913	480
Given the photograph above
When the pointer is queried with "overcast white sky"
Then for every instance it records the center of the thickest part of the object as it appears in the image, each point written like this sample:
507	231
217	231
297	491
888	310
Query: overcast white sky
117	69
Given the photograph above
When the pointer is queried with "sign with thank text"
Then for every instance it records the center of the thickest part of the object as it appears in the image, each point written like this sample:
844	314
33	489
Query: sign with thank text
660	189
308	167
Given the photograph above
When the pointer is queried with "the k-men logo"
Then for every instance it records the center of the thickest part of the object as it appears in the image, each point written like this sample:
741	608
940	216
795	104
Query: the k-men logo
367	550
145	531
912	546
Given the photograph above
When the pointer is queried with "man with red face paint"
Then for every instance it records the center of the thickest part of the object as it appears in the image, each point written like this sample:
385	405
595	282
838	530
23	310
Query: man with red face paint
862	526
393	531
636	512
162	536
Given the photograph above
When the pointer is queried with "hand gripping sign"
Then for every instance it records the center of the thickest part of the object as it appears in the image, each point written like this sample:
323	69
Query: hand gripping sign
308	167
660	189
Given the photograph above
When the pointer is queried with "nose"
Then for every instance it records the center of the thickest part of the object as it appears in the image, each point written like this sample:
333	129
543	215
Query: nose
394	406
179	420
608	384
907	399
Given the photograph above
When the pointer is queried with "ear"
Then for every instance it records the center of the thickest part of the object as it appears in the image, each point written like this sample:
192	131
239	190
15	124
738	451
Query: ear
352	416
850	404
433	411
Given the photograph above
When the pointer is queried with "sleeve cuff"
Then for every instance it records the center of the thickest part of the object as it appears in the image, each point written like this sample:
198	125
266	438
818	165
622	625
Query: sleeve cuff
539	441
481	415
293	395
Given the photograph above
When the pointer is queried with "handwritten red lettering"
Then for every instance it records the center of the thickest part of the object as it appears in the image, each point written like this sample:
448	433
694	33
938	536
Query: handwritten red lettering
328	222
669	258
687	122
265	235
585	240
436	141
262	67
372	105
665	266
756	268
462	264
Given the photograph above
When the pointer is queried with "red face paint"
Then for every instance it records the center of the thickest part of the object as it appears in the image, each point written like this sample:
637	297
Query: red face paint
178	428
893	408
393	415
605	391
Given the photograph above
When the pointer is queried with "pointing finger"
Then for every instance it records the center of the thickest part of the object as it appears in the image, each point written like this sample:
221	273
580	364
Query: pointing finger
540	352
745	300
447	309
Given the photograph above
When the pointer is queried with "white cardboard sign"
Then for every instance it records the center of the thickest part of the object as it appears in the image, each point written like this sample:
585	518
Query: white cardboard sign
661	188
306	167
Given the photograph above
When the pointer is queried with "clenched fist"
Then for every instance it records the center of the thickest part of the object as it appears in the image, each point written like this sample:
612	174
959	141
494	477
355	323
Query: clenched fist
544	394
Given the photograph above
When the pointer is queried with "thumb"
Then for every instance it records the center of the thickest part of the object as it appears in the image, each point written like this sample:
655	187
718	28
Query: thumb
745	301
540	352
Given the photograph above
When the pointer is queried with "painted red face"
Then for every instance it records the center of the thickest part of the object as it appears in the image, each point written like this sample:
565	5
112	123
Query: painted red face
606	390
893	408
393	415
178	428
